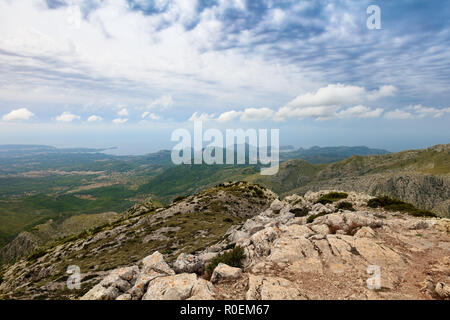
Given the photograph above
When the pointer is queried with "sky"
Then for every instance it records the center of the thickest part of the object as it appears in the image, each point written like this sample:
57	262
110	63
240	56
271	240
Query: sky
126	73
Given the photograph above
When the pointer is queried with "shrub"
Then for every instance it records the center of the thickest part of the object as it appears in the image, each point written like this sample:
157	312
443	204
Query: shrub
312	217
228	220
299	212
232	258
392	204
332	197
37	254
345	205
179	198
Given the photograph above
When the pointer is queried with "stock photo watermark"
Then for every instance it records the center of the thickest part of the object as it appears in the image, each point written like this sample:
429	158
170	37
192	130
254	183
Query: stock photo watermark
374	282
74	279
374	19
235	146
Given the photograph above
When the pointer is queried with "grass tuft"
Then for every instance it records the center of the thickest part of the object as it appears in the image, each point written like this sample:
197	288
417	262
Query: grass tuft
332	197
392	204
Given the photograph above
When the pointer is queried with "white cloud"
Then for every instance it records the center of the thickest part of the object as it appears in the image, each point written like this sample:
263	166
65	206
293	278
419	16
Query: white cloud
333	94
120	121
384	91
150	116
257	114
201	117
228	116
398	114
123	112
422	112
360	111
94	118
163	103
18	115
340	94
327	102
67	117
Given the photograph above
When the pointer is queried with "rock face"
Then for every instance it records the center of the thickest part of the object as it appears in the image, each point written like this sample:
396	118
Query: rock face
289	257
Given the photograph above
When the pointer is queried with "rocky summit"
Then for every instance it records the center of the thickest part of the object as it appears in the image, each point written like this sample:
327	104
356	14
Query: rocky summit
323	245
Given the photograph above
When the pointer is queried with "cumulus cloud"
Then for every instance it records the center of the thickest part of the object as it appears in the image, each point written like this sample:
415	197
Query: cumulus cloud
123	112
257	114
333	94
94	118
229	116
67	117
383	91
163	103
18	115
330	101
120	121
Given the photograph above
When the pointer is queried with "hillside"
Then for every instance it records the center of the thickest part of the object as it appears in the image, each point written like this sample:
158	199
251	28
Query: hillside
236	241
421	177
188	225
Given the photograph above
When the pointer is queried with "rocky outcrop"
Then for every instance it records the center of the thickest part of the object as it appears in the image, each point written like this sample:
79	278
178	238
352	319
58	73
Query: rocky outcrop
299	249
23	244
153	280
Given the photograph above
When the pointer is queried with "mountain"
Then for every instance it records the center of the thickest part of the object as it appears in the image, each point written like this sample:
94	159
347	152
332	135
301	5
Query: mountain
421	177
237	241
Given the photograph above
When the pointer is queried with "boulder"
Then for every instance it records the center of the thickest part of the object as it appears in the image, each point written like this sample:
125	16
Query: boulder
224	272
272	288
276	205
178	287
117	282
155	264
187	263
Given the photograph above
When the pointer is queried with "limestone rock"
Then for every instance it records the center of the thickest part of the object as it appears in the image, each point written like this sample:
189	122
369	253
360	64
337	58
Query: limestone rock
155	263
272	288
117	282
187	263
177	287
224	272
442	290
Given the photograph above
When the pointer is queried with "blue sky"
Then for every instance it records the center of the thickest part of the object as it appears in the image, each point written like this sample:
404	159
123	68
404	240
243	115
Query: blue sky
127	72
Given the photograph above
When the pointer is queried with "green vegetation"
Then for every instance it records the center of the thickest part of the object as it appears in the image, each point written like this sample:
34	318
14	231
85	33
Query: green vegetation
312	217
24	213
392	204
345	205
189	179
332	197
233	258
299	212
